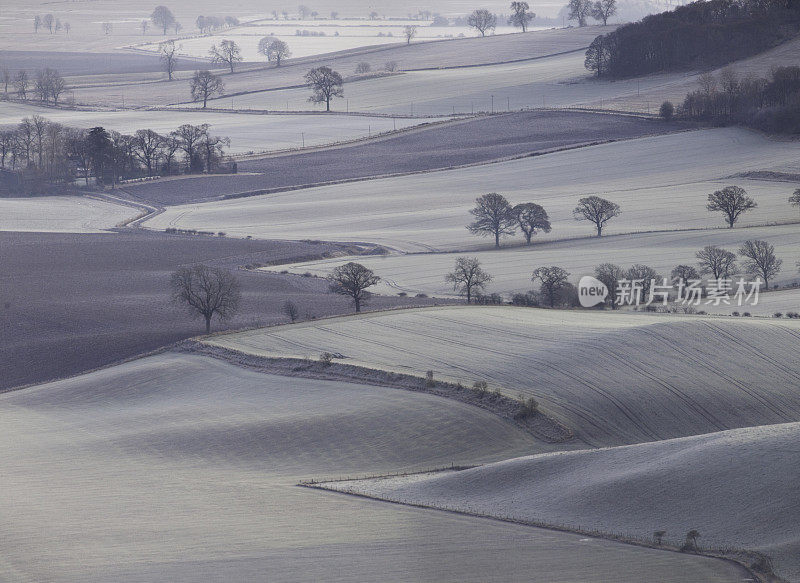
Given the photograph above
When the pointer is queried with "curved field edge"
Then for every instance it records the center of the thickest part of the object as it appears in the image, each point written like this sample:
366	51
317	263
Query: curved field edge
539	424
741	558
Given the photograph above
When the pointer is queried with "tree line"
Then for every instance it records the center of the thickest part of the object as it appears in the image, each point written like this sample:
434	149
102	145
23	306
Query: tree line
47	85
771	104
52	24
39	154
697	35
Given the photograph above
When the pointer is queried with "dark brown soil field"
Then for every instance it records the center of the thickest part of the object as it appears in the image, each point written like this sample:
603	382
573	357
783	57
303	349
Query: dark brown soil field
70	303
470	142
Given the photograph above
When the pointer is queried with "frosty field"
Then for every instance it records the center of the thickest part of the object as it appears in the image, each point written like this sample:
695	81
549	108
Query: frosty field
248	133
216	451
602	374
662	185
62	214
723	484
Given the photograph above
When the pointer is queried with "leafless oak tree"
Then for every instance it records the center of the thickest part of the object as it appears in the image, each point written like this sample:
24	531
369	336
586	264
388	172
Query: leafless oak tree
732	201
204	85
168	53
352	279
325	85
468	277
531	218
553	279
228	53
163	18
520	15
760	260
482	20
493	216
207	291
718	262
409	32
596	210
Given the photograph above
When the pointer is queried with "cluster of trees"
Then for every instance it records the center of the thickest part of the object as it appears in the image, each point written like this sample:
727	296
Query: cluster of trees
207	24
495	216
600	10
46	85
697	35
771	104
39	153
274	49
52	24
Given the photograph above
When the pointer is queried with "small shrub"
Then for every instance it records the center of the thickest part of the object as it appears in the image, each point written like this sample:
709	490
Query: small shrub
326	359
658	536
778	315
735	314
307	274
528	407
480	387
363	68
402	294
792	315
429	382
390	66
746	314
222	234
528	299
421	296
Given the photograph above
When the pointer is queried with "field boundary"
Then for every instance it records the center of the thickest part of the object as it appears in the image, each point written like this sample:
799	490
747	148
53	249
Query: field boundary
742	558
539	425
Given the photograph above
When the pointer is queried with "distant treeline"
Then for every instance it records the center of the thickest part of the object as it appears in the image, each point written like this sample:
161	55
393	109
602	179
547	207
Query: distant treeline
771	104
699	35
39	155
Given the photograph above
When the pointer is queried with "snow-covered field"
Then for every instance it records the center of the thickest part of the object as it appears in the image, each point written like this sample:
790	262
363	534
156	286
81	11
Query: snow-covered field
737	488
512	268
322	36
62	214
182	468
614	378
661	183
248	132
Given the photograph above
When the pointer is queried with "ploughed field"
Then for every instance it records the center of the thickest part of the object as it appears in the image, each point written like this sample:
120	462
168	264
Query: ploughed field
179	467
471	141
612	378
72	302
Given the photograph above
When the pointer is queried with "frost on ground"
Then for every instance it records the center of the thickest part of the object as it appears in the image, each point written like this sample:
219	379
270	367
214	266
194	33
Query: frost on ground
512	268
183	468
661	183
613	378
62	214
738	488
248	133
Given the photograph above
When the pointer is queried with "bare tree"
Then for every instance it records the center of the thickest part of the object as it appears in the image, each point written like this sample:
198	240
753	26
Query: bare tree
690	544
107	28
493	216
732	201
603	10
147	148
303	11
6	79
58	25
610	275
553	279
207	291
67	28
144	25
760	260
596	210
203	85
291	311
163	18
228	54
580	10
352	279
468	277
794	200
171	146
363	68
168	52
409	32
190	138
213	148
597	55
530	218
521	15
325	84
482	20
274	49
645	275
719	262
658	536
48	20
21	82
37	22
682	274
